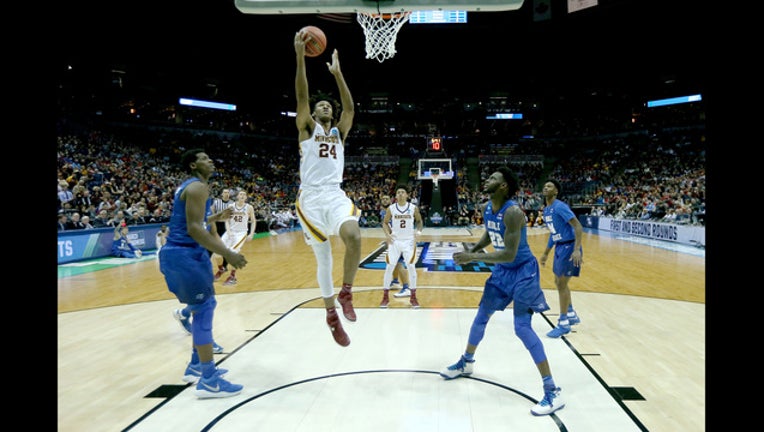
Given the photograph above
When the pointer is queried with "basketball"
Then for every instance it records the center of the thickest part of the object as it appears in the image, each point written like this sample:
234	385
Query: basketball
315	41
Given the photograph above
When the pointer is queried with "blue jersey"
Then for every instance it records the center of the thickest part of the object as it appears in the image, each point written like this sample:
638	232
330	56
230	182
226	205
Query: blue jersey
556	217
494	225
517	281
121	245
178	224
185	263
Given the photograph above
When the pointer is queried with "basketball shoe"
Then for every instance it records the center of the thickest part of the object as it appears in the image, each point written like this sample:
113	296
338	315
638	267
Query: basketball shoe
220	272
413	301
216	349
345	299
184	322
194	372
559	330
551	402
216	387
404	292
338	333
461	368
385	300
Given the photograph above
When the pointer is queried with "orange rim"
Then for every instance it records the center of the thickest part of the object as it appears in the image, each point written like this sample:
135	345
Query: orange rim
387	16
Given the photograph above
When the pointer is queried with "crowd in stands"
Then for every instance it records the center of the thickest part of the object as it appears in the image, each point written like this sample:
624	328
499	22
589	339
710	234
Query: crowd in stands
114	172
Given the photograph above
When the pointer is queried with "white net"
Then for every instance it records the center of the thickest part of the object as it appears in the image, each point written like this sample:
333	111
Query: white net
381	30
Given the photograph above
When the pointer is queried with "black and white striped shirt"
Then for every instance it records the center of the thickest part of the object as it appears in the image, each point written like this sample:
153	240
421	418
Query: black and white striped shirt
218	205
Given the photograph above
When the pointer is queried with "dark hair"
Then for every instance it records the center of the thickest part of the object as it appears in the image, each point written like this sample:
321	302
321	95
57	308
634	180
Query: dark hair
556	185
188	157
320	96
509	176
404	187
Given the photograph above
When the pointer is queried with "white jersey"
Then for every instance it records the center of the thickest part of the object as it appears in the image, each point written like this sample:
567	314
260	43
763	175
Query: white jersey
239	220
402	221
322	158
161	239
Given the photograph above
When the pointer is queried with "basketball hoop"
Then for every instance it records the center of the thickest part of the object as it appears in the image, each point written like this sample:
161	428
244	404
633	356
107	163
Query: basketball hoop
381	30
434	177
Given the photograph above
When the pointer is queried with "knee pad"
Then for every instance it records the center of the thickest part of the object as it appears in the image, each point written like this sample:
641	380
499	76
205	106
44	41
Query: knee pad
202	321
530	339
477	331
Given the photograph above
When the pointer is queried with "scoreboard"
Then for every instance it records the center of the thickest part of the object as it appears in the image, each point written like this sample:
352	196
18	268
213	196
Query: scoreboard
435	144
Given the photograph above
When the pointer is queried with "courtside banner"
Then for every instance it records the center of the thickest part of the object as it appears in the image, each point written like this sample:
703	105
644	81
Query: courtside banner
690	235
87	244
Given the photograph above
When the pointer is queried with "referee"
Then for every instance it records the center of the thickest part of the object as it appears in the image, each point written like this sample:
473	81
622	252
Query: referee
218	205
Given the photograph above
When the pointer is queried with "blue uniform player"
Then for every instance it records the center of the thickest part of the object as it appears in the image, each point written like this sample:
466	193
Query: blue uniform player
514	278
565	232
185	263
183	315
121	246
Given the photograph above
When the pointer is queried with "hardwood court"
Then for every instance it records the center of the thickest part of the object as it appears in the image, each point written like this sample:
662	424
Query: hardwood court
642	309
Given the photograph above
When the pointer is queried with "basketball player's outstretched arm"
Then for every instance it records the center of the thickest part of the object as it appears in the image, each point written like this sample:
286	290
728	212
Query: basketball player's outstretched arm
348	108
303	119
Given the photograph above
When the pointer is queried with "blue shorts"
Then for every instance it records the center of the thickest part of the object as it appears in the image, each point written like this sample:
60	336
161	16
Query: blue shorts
521	284
124	254
563	261
188	272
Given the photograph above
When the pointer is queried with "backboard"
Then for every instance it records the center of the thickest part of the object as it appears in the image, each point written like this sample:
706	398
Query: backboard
278	7
442	167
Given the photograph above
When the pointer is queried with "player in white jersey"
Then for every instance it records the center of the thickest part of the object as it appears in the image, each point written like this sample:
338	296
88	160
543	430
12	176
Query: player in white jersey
239	228
400	276
161	239
402	224
322	206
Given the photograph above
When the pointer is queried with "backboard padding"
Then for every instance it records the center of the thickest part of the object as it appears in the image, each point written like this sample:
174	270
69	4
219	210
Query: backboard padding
278	7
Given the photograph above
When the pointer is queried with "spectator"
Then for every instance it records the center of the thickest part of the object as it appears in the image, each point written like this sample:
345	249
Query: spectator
539	220
141	217
84	200
64	195
118	218
464	216
670	216
75	223
102	219
86	222
107	203
63	221
158	217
